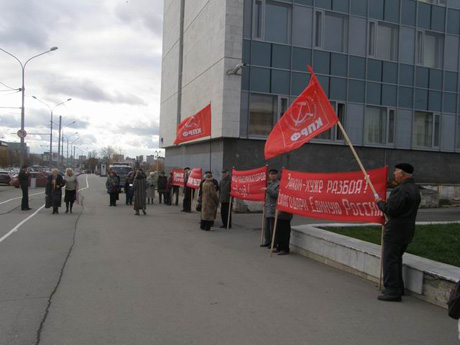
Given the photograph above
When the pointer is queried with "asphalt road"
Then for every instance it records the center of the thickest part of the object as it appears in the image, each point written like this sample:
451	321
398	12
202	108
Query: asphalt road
105	276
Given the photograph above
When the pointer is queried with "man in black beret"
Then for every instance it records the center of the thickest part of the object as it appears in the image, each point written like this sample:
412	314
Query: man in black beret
401	211
224	198
24	178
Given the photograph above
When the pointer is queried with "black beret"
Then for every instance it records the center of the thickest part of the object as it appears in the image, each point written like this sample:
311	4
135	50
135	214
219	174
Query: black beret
208	172
273	171
225	170
406	167
187	168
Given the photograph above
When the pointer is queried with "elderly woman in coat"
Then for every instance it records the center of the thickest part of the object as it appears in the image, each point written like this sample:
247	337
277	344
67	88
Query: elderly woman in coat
53	190
209	202
112	184
151	183
139	188
71	188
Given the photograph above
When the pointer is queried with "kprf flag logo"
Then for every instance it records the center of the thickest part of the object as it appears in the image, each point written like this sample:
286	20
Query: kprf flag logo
195	126
310	115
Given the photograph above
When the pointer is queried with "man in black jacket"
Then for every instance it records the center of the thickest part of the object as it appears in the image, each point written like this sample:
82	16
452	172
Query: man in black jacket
401	210
23	178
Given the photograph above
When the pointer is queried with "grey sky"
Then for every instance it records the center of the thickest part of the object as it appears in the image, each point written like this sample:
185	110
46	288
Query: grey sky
108	62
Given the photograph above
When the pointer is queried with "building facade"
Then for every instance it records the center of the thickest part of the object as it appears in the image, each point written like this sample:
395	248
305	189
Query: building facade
389	67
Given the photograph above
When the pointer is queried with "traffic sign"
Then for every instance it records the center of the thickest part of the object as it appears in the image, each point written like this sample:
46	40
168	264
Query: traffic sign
22	133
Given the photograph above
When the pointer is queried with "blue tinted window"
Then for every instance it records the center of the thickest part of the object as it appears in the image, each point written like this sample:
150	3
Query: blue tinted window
422	77
357	67
281	56
299	82
453	21
434	101
376	9
424	15
392	11
324	81
406	75
245	78
374	70
280	82
338	89
390	73
301	58
247	51
438	15
450	103
339	65
389	93
261	53
304	2
450	81
260	79
421	99
373	93
276	22
327	4
340	5
408	12
321	62
405	97
359	7
435	79
356	91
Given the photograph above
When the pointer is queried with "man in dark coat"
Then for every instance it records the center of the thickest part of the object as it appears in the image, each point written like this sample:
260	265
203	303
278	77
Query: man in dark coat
401	211
23	178
187	202
224	198
271	197
162	184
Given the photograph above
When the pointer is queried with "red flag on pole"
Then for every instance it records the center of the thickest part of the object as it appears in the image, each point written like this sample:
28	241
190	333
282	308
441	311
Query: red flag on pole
195	126
248	184
310	115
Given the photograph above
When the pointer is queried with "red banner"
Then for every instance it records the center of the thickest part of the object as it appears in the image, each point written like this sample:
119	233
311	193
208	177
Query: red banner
309	115
178	177
195	178
195	126
248	184
333	196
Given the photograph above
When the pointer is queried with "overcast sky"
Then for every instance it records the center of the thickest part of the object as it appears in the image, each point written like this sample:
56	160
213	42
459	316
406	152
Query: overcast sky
108	62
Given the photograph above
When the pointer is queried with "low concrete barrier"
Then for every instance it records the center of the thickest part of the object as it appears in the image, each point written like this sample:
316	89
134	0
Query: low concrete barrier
428	280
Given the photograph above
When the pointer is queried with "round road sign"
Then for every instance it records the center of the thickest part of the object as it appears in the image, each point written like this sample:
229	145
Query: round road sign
22	133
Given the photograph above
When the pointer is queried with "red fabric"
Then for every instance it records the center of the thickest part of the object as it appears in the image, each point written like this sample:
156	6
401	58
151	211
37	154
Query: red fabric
178	177
247	184
309	115
195	178
195	126
334	196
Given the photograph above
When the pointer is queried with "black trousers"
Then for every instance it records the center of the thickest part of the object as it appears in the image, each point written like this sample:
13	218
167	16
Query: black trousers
187	203
25	198
176	192
283	234
224	209
161	195
168	198
113	199
392	268
269	224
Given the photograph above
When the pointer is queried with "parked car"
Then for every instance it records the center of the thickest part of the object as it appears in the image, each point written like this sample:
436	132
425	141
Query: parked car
42	179
5	177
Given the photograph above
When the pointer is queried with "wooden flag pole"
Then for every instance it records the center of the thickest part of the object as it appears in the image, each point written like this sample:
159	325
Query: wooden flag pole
381	259
263	225
229	212
274	232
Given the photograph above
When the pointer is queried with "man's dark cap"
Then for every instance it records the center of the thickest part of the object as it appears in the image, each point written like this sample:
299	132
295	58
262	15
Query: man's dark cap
225	170
208	172
406	167
187	168
273	171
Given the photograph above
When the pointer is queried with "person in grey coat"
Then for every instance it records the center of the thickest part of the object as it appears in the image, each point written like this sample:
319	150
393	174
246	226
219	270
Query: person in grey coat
139	188
271	197
224	198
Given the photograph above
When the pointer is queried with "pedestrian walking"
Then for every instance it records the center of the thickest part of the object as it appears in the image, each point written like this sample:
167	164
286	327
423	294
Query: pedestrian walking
140	192
271	197
151	184
209	202
112	185
168	190
23	178
401	210
71	188
187	201
128	188
162	182
53	191
224	198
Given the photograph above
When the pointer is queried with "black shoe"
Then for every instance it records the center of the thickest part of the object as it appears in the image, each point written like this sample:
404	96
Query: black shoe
143	211
66	211
265	245
403	292
276	251
282	252
223	226
389	298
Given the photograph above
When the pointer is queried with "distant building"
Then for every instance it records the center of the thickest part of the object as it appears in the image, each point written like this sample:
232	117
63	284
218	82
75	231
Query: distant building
118	158
140	159
150	159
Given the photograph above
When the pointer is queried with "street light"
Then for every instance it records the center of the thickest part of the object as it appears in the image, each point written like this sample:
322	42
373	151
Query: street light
157	155
51	126
61	147
67	159
22	133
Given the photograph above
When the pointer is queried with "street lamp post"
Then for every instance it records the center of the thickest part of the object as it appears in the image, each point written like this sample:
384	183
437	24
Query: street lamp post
67	159
51	125
157	155
23	67
61	146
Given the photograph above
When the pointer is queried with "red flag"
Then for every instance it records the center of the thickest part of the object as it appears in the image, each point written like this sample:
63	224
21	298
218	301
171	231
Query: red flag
195	178
248	184
195	126
310	115
333	196
178	177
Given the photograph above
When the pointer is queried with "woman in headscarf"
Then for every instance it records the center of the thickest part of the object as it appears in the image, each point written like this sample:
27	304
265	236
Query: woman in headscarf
112	185
54	190
210	201
71	187
151	188
139	187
